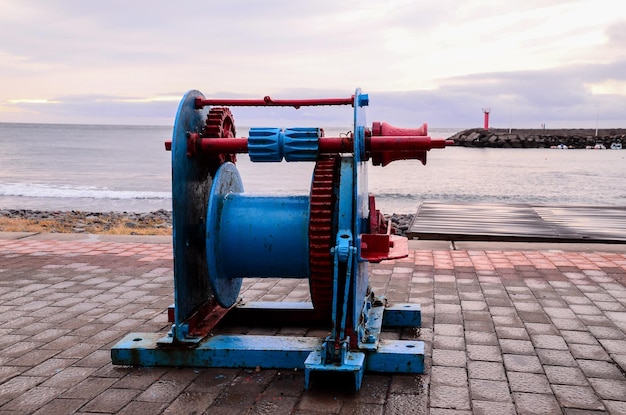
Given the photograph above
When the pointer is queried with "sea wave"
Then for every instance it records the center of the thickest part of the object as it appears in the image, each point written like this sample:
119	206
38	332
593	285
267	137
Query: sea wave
74	192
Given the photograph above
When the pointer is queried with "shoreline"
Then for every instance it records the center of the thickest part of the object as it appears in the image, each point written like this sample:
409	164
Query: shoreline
158	222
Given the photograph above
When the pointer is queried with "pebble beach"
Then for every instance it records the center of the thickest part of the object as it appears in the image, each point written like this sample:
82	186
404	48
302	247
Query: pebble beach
123	223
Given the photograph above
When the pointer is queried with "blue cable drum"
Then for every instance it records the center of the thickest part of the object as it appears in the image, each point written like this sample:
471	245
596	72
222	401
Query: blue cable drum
253	236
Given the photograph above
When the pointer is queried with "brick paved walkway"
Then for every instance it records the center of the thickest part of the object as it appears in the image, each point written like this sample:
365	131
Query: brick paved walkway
524	332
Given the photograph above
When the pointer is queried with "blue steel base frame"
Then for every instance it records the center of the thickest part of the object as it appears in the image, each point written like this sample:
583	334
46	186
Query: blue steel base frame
281	352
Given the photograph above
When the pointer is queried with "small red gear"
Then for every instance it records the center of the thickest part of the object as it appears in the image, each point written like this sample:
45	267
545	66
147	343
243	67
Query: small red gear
220	124
322	233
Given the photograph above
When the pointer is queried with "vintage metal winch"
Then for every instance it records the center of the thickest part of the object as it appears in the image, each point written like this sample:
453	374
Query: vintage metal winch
222	234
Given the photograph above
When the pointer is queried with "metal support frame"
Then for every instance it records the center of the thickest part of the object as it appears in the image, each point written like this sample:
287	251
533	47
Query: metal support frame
276	352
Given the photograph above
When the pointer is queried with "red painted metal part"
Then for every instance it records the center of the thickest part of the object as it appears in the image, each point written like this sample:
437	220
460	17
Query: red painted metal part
201	323
322	235
204	320
376	146
379	244
384	128
327	145
269	102
381	247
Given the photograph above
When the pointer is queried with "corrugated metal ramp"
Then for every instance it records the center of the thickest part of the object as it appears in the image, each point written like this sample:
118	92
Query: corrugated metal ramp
518	222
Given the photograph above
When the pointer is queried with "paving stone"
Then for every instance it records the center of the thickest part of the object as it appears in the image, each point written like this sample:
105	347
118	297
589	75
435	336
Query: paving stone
480	326
558	313
194	403
449	318
404	404
449	358
615	407
600	369
442	396
111	400
534	317
580	337
610	389
574	411
502	311
580	397
449	342
517	333
489	390
548	341
473	305
513	346
597	320
528	382
451	376
60	406
442	411
32	400
508	321
541	328
564	375
483	352
568	324
613	346
603	332
522	363
477	337
486	370
536	404
448	329
620	360
556	357
588	352
490	408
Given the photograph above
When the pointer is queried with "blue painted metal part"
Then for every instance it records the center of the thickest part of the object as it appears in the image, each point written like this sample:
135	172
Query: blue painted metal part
403	315
301	144
353	363
294	144
397	356
252	236
269	352
265	144
360	209
190	187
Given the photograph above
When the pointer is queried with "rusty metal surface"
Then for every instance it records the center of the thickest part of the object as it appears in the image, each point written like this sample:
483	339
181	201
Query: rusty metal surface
518	222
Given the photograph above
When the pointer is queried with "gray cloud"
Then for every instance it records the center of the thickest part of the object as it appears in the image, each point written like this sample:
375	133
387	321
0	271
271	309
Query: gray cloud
147	47
556	97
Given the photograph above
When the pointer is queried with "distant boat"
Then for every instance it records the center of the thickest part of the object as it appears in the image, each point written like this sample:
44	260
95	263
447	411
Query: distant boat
599	146
562	147
616	146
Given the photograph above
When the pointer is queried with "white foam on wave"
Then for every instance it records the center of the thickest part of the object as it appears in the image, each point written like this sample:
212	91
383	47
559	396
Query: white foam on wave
75	192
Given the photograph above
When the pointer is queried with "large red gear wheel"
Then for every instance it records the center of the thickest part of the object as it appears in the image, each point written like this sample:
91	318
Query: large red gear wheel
322	233
220	124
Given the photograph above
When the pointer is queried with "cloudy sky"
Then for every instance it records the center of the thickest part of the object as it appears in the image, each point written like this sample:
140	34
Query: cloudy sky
558	62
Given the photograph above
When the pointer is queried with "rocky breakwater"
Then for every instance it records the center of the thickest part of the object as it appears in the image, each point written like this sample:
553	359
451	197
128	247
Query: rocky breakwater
539	138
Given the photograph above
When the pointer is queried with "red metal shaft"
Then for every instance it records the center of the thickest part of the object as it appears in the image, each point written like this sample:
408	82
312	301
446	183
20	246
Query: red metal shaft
269	102
223	145
329	144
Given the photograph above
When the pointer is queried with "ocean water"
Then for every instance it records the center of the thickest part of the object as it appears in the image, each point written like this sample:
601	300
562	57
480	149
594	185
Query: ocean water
126	168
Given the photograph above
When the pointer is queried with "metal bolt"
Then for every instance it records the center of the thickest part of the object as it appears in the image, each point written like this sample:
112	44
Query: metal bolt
364	100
